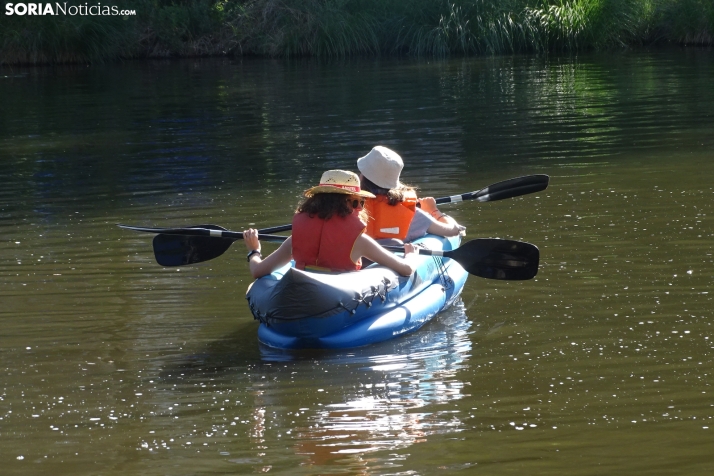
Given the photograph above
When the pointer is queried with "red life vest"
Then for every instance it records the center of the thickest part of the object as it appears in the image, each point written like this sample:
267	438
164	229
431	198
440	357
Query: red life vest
387	221
326	245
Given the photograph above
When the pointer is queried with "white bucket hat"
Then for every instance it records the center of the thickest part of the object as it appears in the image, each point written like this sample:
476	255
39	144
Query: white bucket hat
339	181
382	167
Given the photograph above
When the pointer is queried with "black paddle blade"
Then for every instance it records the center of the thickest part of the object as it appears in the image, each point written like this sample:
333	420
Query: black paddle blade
514	187
492	258
179	250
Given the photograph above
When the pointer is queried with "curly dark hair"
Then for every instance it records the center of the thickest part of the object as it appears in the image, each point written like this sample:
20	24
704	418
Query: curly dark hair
325	205
394	196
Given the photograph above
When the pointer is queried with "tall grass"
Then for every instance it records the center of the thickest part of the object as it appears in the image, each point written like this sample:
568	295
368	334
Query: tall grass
160	28
46	39
165	28
686	21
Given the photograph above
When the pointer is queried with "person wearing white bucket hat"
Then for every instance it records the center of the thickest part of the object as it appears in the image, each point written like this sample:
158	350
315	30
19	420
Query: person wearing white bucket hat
394	213
328	232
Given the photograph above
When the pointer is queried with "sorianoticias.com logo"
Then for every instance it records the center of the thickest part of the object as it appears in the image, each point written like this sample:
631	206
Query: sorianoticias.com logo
63	8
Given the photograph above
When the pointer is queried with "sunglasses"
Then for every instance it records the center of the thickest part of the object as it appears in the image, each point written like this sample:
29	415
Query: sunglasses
358	203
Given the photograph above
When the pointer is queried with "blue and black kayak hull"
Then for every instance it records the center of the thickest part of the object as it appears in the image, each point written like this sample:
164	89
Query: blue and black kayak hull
305	310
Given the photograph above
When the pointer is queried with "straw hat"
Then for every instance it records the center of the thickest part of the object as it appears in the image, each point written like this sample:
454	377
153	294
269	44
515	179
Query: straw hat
382	167
339	181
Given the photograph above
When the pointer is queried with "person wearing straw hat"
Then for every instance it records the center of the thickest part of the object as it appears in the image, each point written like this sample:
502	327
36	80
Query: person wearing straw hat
394	214
328	232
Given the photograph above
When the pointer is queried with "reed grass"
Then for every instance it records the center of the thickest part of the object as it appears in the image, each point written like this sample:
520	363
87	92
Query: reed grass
59	39
164	28
687	22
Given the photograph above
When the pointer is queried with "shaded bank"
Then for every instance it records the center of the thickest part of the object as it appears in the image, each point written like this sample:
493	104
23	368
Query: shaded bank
180	28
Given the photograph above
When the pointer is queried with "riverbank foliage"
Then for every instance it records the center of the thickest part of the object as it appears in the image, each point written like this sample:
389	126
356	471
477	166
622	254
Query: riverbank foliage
280	28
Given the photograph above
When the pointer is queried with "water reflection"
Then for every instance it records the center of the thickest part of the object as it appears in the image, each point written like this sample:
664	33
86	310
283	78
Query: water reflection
397	385
333	407
262	122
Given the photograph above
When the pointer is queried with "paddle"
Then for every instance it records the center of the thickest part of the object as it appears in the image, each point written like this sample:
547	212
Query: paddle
507	189
498	191
491	258
510	188
194	244
485	257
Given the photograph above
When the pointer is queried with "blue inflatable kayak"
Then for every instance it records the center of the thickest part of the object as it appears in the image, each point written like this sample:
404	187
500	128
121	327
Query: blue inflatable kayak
306	310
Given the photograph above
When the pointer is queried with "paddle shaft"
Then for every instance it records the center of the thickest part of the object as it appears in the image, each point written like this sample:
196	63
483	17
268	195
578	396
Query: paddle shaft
276	229
421	251
498	191
237	235
510	188
209	232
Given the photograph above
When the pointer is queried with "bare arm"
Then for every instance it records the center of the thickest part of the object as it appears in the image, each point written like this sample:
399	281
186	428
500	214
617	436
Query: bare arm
370	249
444	225
277	259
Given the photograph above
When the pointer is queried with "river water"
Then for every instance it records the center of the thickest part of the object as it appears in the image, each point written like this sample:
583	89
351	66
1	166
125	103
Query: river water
111	364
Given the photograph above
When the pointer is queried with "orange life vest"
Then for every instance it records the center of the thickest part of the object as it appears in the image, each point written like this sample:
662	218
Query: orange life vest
326	245
387	221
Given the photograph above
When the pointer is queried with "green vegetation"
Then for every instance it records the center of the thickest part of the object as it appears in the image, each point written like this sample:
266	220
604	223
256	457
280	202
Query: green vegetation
164	28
